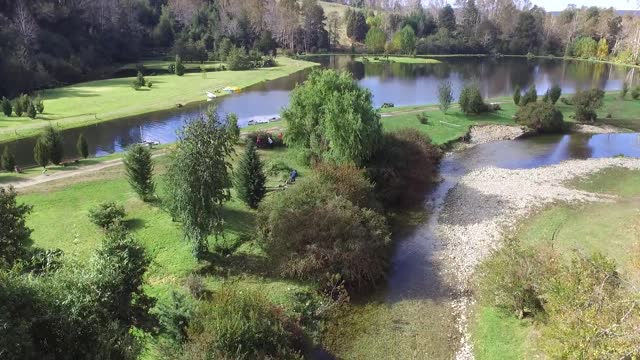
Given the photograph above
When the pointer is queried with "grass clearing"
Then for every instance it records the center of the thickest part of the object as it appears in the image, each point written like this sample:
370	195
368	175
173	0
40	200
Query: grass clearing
497	335
397	59
98	101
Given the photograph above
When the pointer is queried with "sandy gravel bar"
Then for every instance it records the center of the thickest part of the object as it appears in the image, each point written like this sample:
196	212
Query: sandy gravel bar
485	206
482	134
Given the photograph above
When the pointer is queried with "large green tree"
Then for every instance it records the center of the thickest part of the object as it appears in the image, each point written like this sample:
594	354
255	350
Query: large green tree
333	117
447	18
198	178
54	143
14	233
8	160
139	167
375	40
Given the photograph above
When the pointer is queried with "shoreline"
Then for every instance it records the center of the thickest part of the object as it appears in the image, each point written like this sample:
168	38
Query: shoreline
31	129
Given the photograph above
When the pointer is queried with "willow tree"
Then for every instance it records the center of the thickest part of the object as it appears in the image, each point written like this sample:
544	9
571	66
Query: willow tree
198	178
333	118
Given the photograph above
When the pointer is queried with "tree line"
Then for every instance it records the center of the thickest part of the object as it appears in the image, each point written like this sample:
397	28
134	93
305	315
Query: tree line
46	43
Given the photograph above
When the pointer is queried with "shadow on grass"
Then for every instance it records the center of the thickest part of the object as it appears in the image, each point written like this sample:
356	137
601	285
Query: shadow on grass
134	224
5	179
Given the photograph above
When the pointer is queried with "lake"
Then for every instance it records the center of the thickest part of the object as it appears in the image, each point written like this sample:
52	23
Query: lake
401	84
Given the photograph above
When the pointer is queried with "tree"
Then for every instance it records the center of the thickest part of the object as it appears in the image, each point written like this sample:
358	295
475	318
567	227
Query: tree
447	18
17	108
14	233
250	179
625	90
41	152
198	178
179	69
471	101
407	40
6	107
31	111
516	95
54	142
82	146
541	117
316	37
359	26
603	49
445	96
139	81
333	118
526	35
8	160
470	19
554	93
163	33
375	40
530	96
587	103
139	167
39	104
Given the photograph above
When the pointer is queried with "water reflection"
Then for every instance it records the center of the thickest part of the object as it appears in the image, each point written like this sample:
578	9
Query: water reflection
401	84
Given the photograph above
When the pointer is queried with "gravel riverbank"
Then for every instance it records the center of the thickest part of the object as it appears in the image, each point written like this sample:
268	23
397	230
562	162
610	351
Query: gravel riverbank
484	207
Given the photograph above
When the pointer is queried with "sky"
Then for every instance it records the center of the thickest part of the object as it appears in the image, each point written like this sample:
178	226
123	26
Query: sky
556	5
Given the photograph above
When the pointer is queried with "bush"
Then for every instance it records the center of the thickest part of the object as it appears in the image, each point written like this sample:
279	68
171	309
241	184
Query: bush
591	314
308	230
17	108
516	95
14	233
554	93
349	182
8	160
139	81
586	104
530	96
541	117
565	101
471	101
31	111
107	214
237	59
241	325
625	90
6	107
422	118
635	93
511	279
387	105
404	166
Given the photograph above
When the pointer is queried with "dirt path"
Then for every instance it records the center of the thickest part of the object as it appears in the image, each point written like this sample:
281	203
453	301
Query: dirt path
45	178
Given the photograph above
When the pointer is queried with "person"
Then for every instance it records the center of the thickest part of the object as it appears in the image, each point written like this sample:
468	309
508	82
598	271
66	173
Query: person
293	176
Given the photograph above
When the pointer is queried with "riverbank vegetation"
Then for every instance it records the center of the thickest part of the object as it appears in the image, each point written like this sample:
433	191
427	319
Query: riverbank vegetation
280	248
572	275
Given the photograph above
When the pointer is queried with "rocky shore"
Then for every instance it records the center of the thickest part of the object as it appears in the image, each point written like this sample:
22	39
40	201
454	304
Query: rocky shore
484	207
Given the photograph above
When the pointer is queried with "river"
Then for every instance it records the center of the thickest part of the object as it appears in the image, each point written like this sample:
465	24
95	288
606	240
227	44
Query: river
401	84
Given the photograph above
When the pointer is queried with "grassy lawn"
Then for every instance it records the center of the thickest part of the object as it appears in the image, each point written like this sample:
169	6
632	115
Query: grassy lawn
397	59
97	101
611	228
162	65
497	335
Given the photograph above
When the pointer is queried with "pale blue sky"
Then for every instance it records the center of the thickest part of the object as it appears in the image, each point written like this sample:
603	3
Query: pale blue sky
555	5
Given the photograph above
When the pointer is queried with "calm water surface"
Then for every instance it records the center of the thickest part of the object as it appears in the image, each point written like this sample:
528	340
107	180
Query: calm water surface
401	84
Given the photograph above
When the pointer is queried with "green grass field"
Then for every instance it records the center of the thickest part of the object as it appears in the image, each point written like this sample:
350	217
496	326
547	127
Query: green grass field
611	228
98	101
397	59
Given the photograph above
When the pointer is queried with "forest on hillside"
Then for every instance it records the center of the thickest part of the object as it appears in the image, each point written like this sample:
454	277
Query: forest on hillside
49	43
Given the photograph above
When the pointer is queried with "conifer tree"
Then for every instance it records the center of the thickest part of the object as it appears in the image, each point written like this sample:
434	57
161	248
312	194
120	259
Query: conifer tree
41	152
53	141
82	146
250	179
31	111
516	95
6	107
139	168
8	160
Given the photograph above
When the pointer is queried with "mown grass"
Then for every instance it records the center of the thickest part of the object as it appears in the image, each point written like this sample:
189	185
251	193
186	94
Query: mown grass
397	59
98	101
611	228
